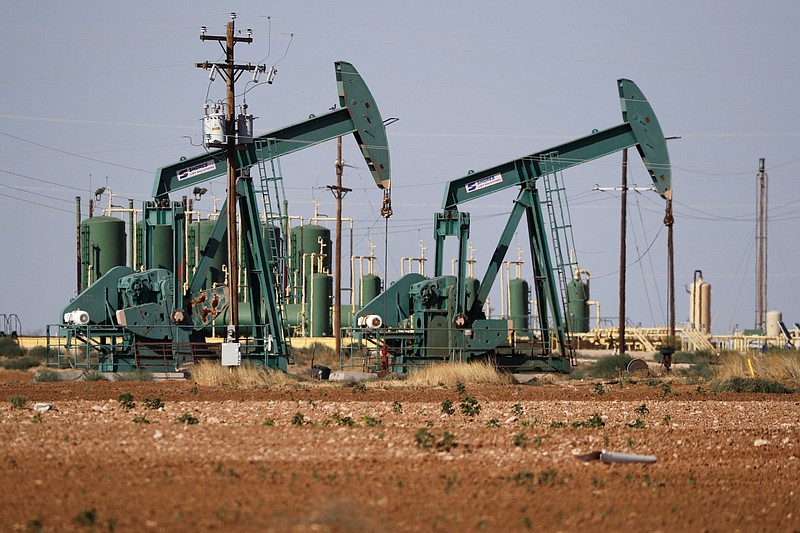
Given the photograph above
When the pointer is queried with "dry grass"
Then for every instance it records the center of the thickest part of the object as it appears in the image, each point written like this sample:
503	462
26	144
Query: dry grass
779	365
450	374
243	377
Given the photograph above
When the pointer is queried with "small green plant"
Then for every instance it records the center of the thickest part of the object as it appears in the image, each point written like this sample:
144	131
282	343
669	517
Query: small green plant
692	481
268	422
424	438
141	419
447	407
37	418
701	391
517	410
547	477
17	401
555	424
667	420
126	400
599	389
194	390
86	518
153	404
666	390
298	419
637	424
397	407
370	422
461	389
359	388
537	441
642	410
520	440
187	418
470	406
446	442
342	420
493	423
595	421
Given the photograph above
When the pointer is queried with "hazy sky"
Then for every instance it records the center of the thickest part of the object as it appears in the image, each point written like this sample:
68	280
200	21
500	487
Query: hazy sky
103	93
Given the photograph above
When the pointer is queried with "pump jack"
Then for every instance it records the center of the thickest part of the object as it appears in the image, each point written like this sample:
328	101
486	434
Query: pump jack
160	315
442	319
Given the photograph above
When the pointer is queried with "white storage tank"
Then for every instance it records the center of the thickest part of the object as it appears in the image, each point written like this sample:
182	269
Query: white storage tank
700	303
774	319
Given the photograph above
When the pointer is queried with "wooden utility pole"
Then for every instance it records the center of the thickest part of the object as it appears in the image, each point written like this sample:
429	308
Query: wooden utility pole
230	71
761	246
622	250
669	221
339	193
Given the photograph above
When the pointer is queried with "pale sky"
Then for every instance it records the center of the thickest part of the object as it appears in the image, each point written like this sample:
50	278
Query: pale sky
99	93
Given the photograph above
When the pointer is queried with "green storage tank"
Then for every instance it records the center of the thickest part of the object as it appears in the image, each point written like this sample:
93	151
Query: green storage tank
519	310
347	316
102	247
578	294
320	302
370	289
161	251
305	241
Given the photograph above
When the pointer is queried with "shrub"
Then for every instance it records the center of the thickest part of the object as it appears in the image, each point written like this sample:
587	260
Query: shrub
153	404
126	400
187	418
737	384
17	401
610	366
470	406
140	374
10	348
47	376
21	363
93	375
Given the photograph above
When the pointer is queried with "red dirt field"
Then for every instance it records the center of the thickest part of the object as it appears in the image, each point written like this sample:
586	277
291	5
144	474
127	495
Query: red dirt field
389	459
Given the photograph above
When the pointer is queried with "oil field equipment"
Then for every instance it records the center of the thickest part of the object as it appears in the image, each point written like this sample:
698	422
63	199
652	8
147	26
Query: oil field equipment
159	316
426	320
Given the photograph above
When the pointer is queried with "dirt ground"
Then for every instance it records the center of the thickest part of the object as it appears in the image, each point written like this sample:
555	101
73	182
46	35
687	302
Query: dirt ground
336	457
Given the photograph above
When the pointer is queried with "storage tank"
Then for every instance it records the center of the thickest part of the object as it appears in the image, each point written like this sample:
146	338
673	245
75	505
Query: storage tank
161	248
774	319
700	303
578	295
102	247
518	307
370	289
320	305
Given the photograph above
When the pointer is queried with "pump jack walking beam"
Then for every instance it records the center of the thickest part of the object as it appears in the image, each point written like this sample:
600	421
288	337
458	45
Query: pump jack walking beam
640	128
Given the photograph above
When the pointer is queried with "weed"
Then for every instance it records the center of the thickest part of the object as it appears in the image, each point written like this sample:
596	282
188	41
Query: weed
17	401
642	410
298	419
556	424
701	391
737	384
140	420
153	404
595	421
359	388
194	390
397	407
35	525
268	422
547	477
652	382
493	423
187	418
37	418
517	410
692	481
637	424
521	440
451	482
86	518
341	420
599	389
537	441
667	420
370	422
461	389
470	406
666	390
611	366
629	442
126	400
446	442
525	479
424	439
447	407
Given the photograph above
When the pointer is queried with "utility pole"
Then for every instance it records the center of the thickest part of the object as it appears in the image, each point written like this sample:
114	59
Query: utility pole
669	221
762	215
623	250
339	193
231	72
